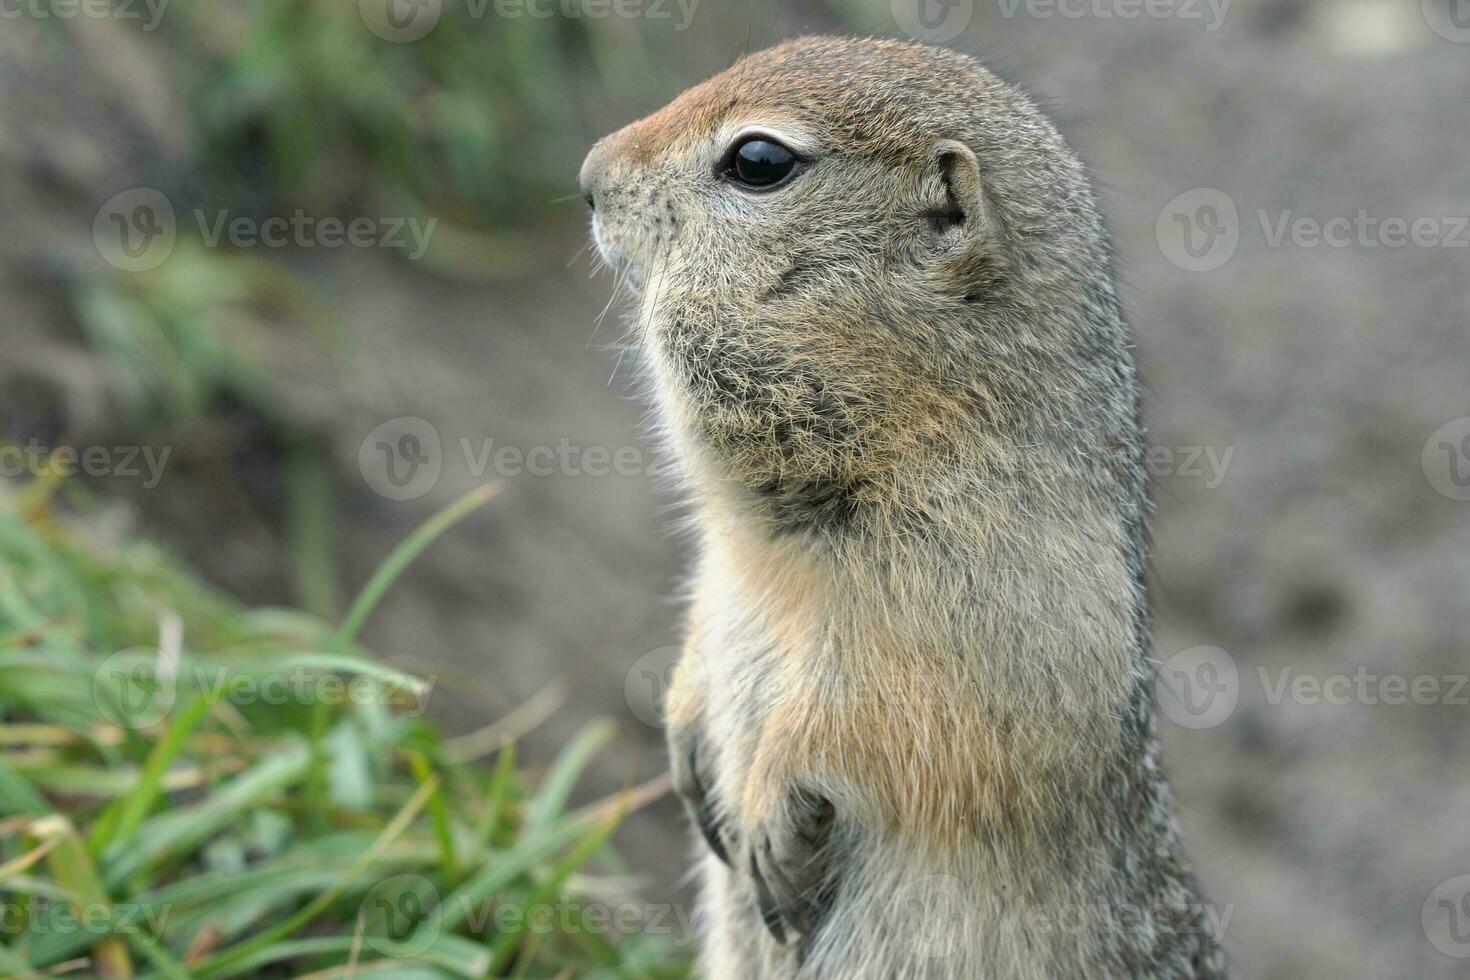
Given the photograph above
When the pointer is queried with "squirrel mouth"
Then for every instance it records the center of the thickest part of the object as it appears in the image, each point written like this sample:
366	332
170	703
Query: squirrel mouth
628	272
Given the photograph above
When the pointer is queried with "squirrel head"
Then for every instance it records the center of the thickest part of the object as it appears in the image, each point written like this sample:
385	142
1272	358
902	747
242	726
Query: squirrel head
851	259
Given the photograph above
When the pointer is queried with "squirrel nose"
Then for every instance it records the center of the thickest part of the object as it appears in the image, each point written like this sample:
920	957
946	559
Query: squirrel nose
593	177
587	179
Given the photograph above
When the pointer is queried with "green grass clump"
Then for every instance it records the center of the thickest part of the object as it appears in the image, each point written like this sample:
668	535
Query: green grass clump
189	788
302	104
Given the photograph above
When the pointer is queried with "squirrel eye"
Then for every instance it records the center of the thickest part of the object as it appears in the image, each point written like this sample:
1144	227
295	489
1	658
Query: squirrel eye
760	163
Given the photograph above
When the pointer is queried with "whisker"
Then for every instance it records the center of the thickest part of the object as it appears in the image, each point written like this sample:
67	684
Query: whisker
580	252
647	321
622	351
622	275
618	276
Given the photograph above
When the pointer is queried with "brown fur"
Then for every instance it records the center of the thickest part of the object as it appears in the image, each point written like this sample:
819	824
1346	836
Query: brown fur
900	393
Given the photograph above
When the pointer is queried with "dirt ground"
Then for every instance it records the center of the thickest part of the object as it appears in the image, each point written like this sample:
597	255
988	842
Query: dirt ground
1303	528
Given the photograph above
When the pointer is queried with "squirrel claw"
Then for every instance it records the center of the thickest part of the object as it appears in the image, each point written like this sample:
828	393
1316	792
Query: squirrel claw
771	912
690	786
789	870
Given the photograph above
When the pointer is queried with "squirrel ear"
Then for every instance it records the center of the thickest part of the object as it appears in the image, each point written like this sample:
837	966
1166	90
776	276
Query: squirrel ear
953	167
963	224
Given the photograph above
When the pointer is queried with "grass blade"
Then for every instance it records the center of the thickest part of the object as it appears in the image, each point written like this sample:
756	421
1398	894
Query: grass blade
372	593
439	813
568	768
71	864
123	817
17	795
220	962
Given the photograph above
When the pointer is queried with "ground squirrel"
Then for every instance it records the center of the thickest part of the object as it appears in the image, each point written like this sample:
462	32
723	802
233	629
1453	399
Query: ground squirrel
913	718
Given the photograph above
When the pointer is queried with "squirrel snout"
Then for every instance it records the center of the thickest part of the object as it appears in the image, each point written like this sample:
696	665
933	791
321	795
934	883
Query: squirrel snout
593	175
588	194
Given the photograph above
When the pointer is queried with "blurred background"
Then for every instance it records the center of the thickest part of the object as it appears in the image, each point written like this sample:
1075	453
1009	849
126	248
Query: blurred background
320	268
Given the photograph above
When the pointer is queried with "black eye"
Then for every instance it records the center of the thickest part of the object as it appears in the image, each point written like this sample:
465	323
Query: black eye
760	163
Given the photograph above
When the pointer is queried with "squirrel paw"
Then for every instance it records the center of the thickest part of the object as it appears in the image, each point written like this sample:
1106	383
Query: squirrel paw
692	785
789	864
